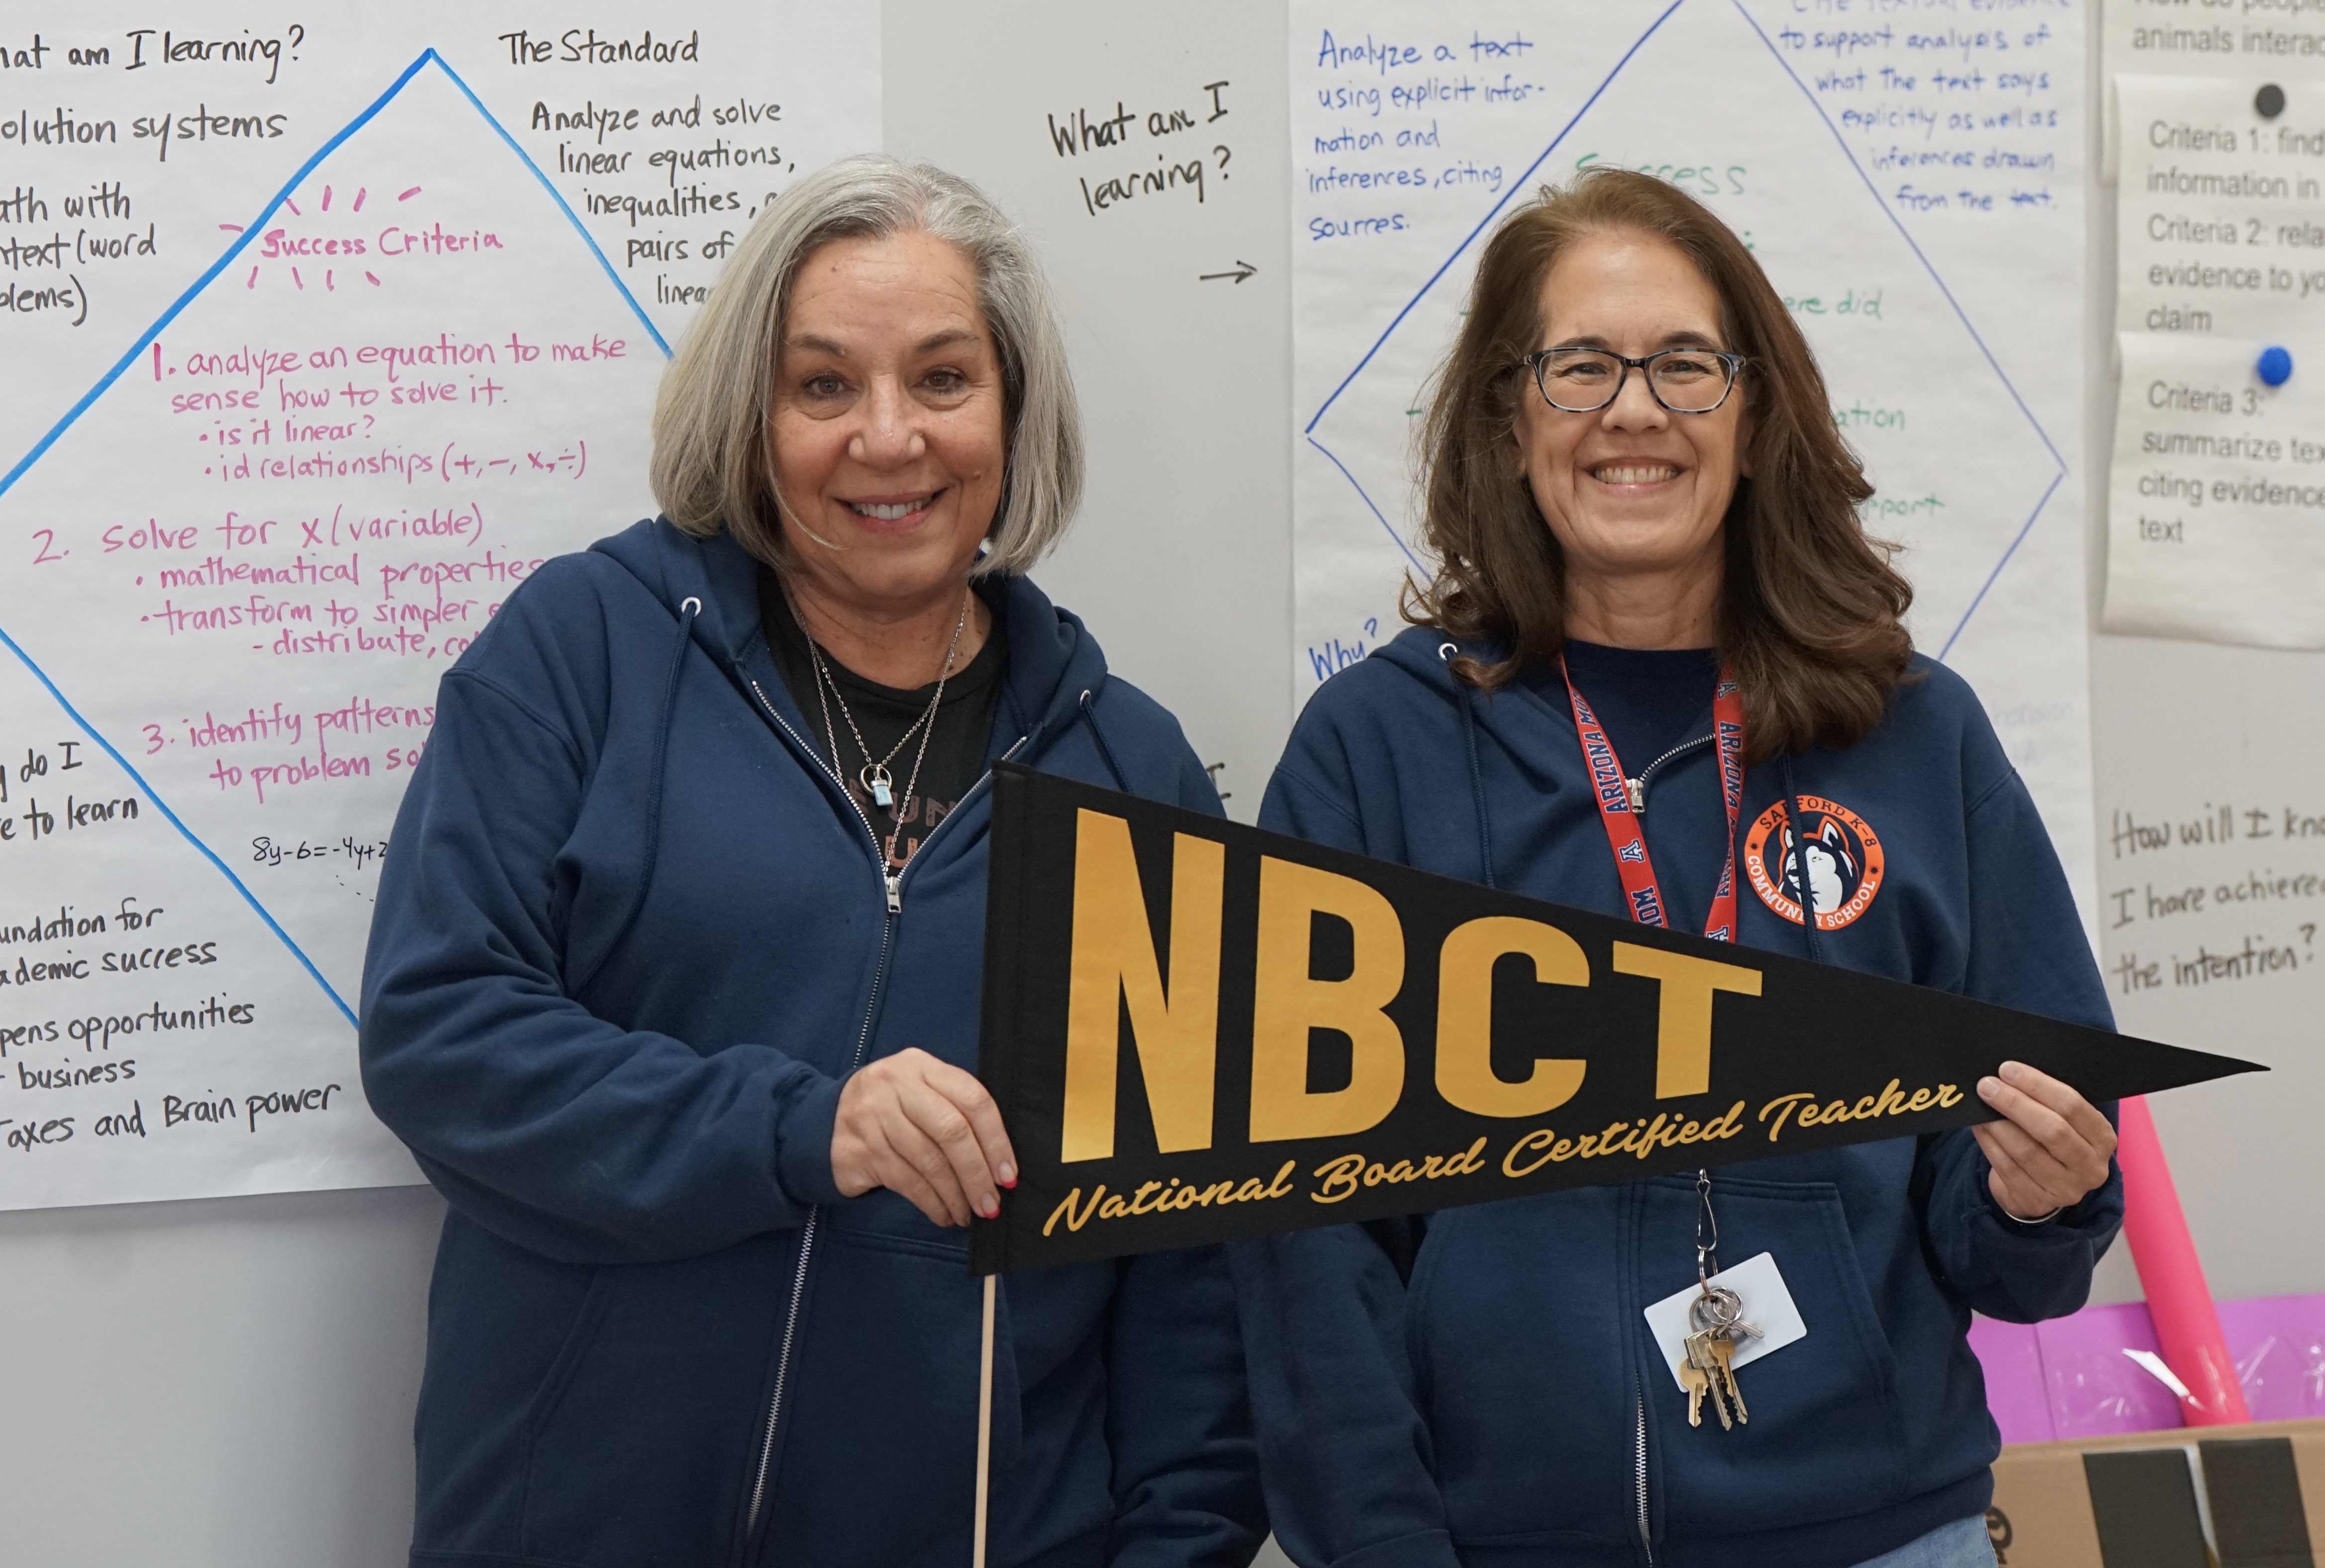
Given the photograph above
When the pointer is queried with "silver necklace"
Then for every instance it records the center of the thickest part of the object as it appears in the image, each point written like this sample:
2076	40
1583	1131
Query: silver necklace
877	781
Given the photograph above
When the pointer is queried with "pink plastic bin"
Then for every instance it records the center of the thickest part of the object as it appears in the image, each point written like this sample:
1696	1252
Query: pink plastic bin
2069	1378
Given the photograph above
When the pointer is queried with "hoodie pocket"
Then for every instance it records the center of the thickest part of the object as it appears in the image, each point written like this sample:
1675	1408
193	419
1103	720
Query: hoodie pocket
579	1338
1515	1333
1826	1439
878	1446
638	1441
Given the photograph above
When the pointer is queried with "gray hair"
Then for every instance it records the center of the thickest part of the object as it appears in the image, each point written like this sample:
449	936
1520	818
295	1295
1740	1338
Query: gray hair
713	463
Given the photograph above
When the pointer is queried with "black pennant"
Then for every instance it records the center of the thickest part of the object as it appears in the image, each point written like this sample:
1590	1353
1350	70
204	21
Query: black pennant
1197	1031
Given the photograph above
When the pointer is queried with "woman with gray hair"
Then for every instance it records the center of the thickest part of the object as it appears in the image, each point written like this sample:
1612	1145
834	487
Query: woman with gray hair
672	987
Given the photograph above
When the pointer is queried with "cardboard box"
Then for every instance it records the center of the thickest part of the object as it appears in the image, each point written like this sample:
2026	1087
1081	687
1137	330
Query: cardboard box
2216	1497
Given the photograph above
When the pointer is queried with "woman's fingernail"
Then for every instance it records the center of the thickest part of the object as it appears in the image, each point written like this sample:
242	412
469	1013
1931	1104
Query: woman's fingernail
1008	1174
2011	1072
1988	1088
992	1209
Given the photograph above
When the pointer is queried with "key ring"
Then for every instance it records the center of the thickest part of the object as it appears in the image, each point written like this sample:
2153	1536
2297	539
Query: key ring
1706	1257
1717	1309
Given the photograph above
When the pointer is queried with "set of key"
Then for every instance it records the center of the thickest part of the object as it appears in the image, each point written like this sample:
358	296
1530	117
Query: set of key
1717	1317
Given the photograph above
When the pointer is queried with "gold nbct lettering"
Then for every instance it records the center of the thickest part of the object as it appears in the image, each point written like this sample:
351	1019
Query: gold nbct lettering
1540	1137
1683	1013
1177	1033
1287	1003
1075	1219
1339	1177
1465	1016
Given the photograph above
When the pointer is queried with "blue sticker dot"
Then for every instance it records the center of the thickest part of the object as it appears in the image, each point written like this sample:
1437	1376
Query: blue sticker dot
2276	365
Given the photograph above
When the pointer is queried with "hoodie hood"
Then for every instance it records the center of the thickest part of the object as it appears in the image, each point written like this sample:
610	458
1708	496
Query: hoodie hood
1053	660
1513	718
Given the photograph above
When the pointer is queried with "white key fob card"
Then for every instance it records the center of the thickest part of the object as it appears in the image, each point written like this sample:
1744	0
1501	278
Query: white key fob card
1767	1307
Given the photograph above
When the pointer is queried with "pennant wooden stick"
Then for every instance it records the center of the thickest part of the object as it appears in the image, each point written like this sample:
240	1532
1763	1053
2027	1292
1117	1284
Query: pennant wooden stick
984	1419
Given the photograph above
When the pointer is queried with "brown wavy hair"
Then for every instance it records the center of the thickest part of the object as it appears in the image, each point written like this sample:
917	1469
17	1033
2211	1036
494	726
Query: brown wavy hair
1810	609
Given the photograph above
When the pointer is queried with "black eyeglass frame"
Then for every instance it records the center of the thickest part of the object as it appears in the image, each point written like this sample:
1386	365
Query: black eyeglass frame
1541	356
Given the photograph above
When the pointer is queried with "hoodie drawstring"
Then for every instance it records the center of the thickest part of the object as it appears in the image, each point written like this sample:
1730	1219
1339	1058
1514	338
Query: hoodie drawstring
687	611
1477	788
1104	752
1476	773
1800	859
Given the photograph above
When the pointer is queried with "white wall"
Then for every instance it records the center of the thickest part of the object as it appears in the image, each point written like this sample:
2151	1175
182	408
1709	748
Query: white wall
220	1384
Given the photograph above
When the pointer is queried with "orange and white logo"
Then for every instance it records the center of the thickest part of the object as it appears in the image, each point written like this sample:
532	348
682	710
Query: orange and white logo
1842	856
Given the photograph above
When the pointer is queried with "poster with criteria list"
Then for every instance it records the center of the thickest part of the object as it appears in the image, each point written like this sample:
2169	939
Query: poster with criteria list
322	336
1910	175
2215	491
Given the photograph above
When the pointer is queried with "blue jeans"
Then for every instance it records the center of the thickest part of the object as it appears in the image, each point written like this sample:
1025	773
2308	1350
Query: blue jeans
1960	1544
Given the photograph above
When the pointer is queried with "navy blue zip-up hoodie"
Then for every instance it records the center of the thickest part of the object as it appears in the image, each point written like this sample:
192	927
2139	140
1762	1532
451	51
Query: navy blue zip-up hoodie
631	938
1491	1396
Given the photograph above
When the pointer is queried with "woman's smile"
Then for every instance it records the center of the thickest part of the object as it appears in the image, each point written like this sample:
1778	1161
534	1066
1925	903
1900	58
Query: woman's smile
1632	475
891	514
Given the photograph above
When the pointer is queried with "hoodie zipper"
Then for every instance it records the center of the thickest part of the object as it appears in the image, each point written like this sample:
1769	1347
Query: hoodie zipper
807	1249
1630	1228
1636	788
893	888
1646	1528
890	886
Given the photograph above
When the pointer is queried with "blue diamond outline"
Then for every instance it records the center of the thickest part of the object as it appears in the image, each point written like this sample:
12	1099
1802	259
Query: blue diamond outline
145	340
2010	550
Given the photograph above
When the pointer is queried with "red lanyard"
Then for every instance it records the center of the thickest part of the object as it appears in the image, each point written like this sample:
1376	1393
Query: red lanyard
1611	785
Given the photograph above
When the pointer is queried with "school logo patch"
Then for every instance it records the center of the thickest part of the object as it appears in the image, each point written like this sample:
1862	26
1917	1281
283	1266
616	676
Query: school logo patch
1844	856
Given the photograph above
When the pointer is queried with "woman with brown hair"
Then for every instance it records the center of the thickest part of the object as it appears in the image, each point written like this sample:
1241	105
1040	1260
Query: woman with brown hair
1662	672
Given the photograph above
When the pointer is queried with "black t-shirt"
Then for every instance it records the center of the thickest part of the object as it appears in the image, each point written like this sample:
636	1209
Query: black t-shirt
957	747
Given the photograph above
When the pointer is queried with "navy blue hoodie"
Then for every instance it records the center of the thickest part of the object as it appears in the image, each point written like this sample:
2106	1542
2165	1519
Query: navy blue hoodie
631	938
1482	1389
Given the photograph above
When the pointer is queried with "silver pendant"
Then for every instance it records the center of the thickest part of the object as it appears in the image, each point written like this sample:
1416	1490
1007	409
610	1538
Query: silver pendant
881	784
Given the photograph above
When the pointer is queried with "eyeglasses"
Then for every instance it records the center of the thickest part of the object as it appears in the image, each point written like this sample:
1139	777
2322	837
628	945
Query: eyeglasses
1686	381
